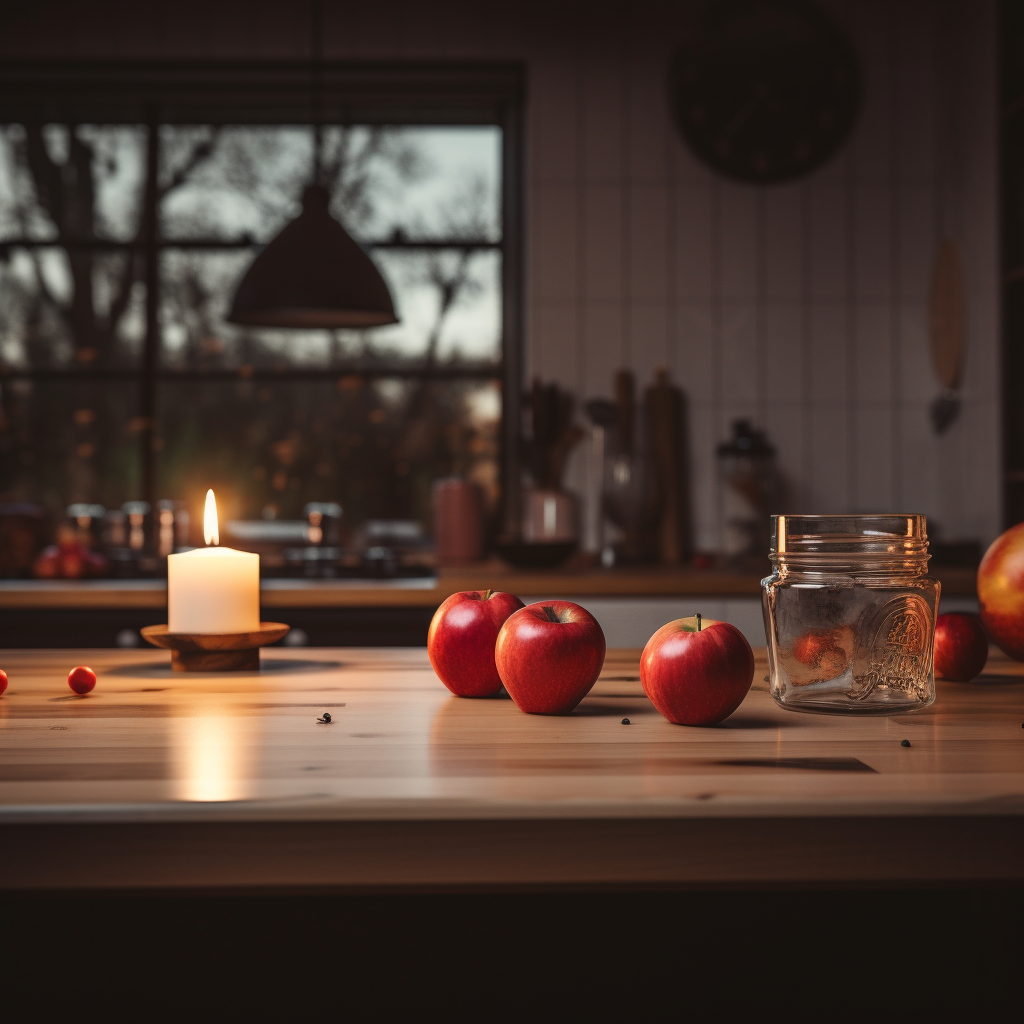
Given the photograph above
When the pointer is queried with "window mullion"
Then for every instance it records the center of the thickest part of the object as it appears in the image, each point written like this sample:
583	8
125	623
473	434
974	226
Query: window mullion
151	347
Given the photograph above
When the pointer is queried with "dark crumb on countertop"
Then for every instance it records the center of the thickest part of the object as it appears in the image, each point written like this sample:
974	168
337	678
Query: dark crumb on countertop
905	743
625	721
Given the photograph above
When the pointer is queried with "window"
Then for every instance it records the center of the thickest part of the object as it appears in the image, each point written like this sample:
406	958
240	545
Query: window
131	202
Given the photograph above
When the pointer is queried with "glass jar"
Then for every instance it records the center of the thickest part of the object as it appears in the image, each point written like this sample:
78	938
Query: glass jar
849	613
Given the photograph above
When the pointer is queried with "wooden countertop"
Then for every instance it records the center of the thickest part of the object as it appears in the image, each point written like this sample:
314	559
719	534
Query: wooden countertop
226	781
426	592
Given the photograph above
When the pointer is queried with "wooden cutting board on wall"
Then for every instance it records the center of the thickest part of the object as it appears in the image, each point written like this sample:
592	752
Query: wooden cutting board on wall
666	406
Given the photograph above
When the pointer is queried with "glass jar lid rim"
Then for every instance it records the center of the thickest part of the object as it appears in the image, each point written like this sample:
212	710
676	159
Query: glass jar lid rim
894	533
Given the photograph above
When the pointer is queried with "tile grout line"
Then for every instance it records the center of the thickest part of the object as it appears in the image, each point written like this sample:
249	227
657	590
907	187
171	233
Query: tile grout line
671	241
625	263
760	305
581	216
852	447
895	432
806	384
716	345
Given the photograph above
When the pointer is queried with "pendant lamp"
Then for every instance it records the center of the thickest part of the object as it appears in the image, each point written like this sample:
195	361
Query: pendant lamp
313	274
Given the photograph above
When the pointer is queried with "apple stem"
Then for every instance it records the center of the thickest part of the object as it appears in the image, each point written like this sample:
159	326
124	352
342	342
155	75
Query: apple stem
487	596
698	622
550	613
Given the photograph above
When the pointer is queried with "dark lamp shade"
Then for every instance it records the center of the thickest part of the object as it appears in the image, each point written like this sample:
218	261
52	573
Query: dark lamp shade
313	275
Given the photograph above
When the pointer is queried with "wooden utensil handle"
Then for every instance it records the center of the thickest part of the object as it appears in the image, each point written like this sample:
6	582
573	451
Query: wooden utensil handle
624	401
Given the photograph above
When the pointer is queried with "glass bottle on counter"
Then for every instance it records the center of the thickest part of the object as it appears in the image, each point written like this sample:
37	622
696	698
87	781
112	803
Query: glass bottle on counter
750	486
849	614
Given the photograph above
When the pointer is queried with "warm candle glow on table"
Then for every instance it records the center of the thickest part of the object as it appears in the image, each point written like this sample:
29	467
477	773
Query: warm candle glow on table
212	751
213	589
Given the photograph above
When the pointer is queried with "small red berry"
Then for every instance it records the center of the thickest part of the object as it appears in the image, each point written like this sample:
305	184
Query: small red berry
81	679
3	680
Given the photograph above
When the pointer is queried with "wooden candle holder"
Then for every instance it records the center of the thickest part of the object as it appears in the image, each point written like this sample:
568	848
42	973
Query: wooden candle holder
215	652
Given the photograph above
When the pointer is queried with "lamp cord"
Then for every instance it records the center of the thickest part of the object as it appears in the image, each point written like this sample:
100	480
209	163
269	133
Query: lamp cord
316	46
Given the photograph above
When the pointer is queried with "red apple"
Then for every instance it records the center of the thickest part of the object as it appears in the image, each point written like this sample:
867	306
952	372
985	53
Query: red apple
3	680
961	646
696	671
825	647
1001	591
47	563
81	679
460	643
71	563
819	654
810	646
549	655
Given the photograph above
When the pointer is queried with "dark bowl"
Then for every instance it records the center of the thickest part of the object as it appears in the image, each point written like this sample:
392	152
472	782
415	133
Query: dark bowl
535	556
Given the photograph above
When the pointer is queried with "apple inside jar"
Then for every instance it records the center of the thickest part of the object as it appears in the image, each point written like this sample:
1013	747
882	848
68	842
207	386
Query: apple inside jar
819	655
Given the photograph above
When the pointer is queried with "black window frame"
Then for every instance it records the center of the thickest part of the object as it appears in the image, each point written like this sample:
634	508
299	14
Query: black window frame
284	92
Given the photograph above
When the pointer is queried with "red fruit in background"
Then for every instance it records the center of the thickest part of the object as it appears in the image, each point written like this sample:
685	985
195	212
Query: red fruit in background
3	680
81	679
47	563
697	672
460	642
961	646
71	563
67	541
549	655
1001	591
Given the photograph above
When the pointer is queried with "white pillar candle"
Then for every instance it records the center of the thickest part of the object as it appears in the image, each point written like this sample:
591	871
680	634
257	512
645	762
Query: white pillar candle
213	589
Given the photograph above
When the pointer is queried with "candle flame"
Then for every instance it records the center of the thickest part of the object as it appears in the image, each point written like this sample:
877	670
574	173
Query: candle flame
211	531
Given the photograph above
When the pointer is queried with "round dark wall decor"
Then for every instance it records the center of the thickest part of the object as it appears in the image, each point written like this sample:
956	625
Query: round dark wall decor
765	90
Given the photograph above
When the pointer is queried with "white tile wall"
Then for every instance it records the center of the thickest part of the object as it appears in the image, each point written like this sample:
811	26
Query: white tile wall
802	305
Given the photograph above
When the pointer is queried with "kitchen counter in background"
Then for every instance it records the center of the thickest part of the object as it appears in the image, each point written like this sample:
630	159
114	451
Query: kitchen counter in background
630	603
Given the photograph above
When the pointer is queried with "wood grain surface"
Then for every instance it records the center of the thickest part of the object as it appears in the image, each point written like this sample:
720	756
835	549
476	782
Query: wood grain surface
162	780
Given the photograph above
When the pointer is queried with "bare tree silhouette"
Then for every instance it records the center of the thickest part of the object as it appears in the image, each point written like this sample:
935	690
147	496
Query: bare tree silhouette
67	191
374	445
